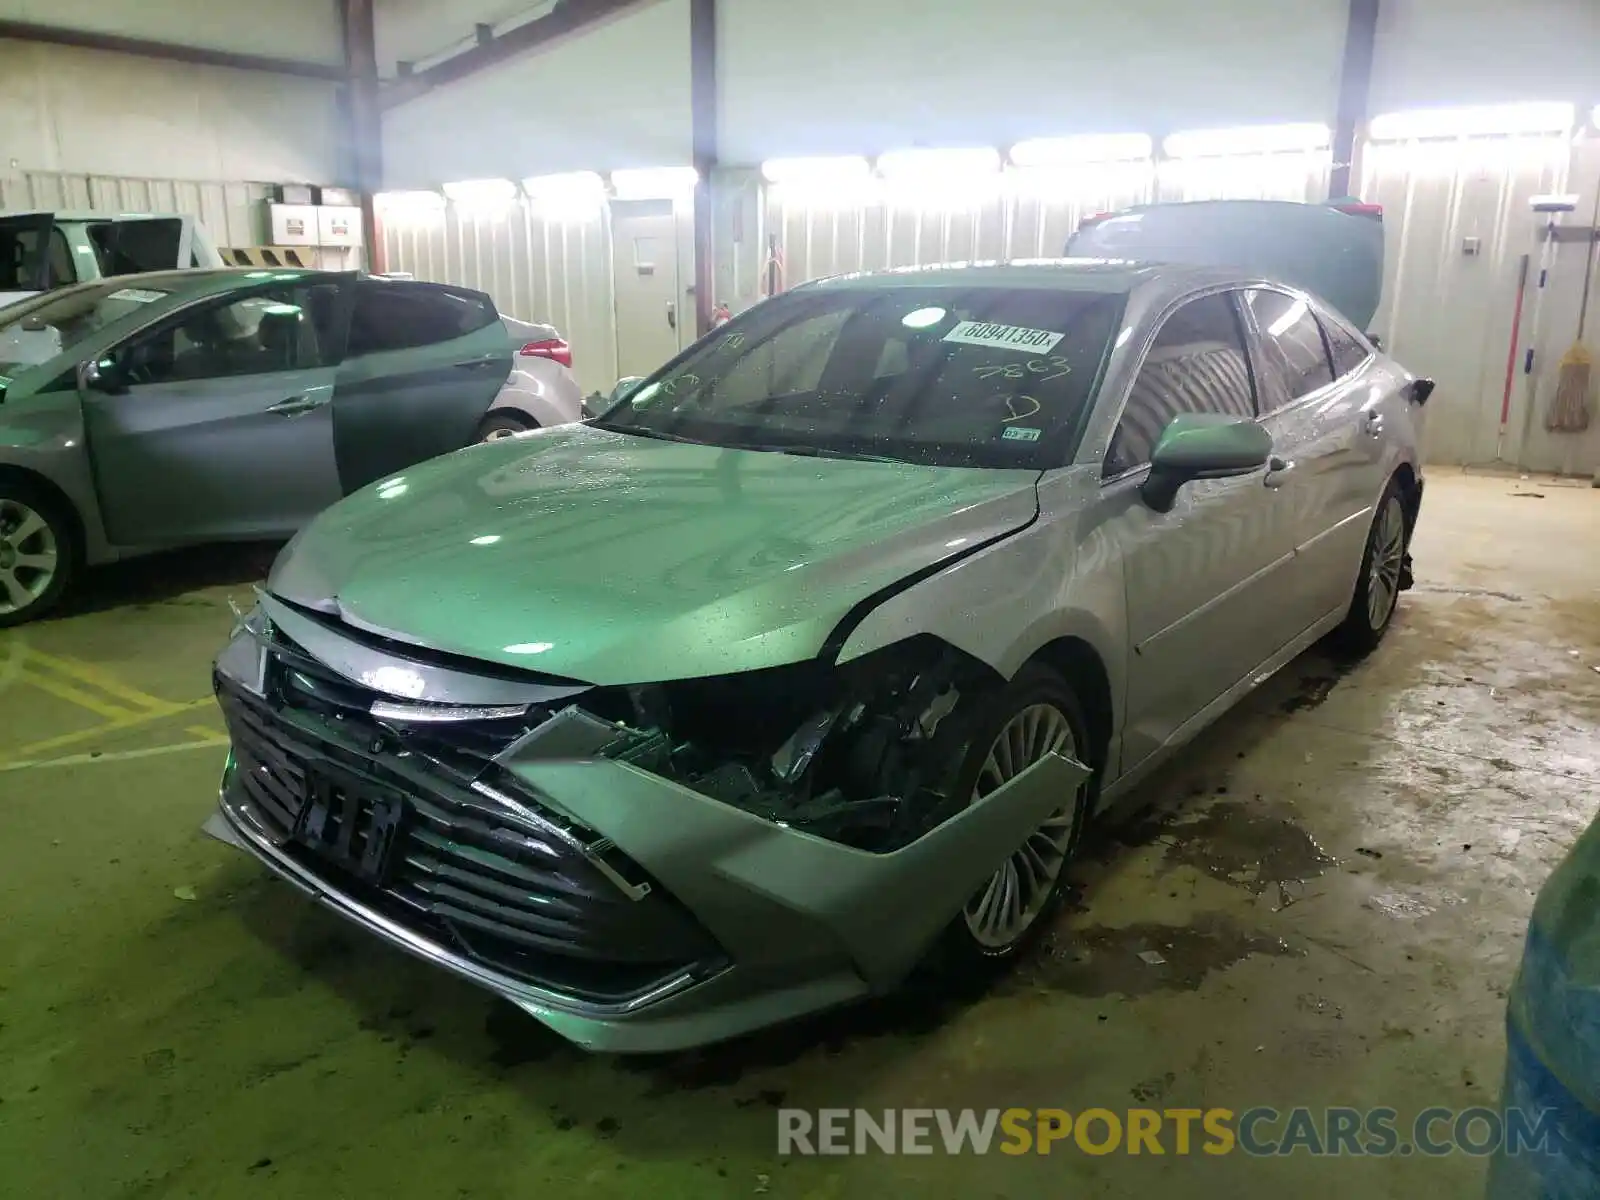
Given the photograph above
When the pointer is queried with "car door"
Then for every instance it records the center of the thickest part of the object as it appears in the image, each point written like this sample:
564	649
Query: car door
1327	433
1201	580
423	366
216	422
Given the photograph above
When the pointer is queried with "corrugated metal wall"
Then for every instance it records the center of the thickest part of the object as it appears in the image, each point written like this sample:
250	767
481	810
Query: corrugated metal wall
1459	219
233	213
1457	214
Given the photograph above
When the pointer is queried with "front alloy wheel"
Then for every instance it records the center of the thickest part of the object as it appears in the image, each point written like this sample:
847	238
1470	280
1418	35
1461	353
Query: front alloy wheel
30	559
1003	911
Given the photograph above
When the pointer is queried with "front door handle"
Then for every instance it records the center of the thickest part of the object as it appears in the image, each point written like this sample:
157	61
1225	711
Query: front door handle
295	405
1372	422
1278	470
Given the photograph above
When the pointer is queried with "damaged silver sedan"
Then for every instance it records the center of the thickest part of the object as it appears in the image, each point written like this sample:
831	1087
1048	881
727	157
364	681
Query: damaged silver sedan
805	665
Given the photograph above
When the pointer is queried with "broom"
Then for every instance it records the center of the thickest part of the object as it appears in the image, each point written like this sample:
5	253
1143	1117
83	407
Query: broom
1569	413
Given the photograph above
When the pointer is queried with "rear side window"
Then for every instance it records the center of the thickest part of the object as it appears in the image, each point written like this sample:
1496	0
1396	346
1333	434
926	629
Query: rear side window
1291	343
393	316
1197	365
1348	353
129	247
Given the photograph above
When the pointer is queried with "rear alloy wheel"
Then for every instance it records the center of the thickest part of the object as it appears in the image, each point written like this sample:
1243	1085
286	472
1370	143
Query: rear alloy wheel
496	426
999	915
1378	586
36	555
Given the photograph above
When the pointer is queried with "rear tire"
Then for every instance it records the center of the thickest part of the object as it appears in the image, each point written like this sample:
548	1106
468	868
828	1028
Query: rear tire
39	551
1035	712
1384	566
499	425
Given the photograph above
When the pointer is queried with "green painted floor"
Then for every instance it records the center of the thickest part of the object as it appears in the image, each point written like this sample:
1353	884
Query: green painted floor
1337	879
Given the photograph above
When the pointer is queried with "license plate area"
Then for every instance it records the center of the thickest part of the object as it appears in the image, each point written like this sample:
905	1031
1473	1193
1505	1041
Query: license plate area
350	821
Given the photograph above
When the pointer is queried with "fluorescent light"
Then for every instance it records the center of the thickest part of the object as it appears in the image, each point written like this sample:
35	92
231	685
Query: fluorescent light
1085	148
922	318
481	193
654	183
485	539
573	185
1481	120
1249	139
842	169
529	648
1291	317
930	166
409	202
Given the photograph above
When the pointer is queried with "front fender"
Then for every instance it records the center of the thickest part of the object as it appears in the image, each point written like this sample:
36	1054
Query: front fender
43	435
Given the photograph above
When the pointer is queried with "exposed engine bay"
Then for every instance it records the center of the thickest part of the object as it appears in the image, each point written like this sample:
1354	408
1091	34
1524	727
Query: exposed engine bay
861	754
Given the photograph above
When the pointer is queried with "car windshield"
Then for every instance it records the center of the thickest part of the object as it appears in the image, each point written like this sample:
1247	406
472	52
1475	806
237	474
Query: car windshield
35	332
960	376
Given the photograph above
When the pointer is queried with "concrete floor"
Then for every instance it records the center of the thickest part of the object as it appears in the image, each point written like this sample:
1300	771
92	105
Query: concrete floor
1338	878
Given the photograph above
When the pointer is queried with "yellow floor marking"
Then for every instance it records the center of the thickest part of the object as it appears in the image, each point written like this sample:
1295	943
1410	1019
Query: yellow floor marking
220	739
86	673
76	760
110	727
16	649
77	696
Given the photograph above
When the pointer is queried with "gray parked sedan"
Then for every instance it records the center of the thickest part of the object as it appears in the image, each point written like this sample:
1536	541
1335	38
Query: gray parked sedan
808	661
188	406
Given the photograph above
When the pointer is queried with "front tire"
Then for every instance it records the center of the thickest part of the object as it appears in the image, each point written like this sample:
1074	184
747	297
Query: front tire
38	552
1037	712
1383	569
503	425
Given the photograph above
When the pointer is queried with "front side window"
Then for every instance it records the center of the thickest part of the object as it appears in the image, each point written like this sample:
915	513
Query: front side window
1291	344
989	377
393	315
1196	365
255	335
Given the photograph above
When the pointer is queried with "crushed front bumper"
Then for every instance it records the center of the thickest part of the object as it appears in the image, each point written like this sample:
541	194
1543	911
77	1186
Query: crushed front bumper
640	915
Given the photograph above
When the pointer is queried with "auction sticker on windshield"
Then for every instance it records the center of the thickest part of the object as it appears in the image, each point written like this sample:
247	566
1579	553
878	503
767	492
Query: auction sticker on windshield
1005	337
137	295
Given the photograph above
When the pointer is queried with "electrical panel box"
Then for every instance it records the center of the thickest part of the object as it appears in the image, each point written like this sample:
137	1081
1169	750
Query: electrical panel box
338	226
295	224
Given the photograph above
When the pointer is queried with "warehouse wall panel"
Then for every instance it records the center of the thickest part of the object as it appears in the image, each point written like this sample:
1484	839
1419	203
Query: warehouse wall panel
308	30
1453	52
232	213
65	109
616	96
878	74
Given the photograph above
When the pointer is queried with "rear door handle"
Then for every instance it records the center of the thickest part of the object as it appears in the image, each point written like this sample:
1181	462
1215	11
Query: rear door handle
1372	422
1278	470
295	405
477	364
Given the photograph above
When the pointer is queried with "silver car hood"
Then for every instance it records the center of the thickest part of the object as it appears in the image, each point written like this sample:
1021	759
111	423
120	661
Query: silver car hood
609	558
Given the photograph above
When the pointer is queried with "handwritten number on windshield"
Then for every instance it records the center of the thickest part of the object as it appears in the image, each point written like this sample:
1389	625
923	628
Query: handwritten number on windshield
1045	369
1028	406
688	382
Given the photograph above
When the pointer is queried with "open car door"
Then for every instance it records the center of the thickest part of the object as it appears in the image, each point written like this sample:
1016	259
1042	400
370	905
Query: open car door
1332	251
424	363
129	245
25	256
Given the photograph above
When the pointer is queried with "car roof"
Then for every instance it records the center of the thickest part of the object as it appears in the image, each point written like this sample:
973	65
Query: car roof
1105	275
201	281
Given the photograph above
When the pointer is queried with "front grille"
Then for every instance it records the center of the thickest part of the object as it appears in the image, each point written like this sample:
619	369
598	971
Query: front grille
406	834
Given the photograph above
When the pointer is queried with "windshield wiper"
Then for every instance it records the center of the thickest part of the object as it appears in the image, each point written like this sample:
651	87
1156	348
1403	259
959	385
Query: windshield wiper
645	431
800	450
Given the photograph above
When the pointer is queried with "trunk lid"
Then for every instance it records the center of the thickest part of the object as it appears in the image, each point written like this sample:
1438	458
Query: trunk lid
1322	248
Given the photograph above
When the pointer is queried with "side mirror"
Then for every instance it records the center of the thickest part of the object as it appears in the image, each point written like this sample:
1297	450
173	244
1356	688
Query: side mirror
624	389
101	375
1418	391
1202	446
